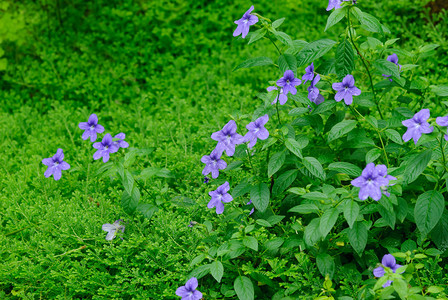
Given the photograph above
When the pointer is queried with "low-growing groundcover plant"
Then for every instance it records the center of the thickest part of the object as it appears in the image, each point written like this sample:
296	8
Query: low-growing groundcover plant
274	251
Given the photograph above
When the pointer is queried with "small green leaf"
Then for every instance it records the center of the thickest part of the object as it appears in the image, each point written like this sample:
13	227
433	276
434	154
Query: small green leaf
257	35
284	181
287	62
357	236
386	67
128	181
372	155
294	147
217	270
328	220
130	202
314	166
305	209
250	242
341	129
440	90
278	22
351	212
260	196
276	162
147	209
312	232
313	51
335	17
416	166
345	167
326	265
345	59
394	136
244	288
428	210
255	62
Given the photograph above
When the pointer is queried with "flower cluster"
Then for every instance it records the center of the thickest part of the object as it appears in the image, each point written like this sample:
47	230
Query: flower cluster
373	181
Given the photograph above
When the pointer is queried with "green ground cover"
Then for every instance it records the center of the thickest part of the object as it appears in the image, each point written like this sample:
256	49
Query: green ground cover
161	72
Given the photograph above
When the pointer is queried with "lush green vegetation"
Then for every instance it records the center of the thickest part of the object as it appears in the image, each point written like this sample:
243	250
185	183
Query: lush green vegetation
162	73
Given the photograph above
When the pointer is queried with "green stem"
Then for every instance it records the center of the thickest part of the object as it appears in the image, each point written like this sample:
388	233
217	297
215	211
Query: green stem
364	63
250	161
278	114
269	37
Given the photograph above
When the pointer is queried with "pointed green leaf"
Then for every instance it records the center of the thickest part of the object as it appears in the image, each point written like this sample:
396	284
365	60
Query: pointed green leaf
287	62
244	288
260	196
254	62
357	236
217	270
341	129
276	162
313	51
345	59
335	17
428	210
327	221
345	167
284	181
325	264
250	242
351	212
294	147
314	166
416	166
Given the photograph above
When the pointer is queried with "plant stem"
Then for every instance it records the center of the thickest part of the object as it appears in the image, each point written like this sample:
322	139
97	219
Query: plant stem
269	37
364	63
278	114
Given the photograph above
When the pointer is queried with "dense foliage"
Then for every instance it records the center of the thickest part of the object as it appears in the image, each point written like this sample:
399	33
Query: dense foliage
168	74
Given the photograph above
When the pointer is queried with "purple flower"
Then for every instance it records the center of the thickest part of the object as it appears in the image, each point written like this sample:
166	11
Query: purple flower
382	171
309	73
313	92
393	59
206	179
288	82
334	4
388	261
188	291
112	229
281	96
244	23
91	128
55	164
253	208
227	138
219	197
417	125
119	140
192	223
213	163
346	90
443	121
256	130
104	148
370	182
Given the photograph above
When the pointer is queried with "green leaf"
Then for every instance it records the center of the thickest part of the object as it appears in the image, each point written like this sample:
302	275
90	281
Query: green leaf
294	147
256	35
305	209
287	62
217	270
326	265
298	111
341	129
386	210
313	51
401	287
244	288
440	90
130	202
154	171
440	233
254	62
345	59
241	189
197	260
312	232
370	23
394	136
416	166
345	167
283	38
284	181
328	220
3	64
199	272
260	196
372	155
276	162
357	236
386	67
250	242
278	22
314	166
335	17
351	212
147	209
428	210
128	181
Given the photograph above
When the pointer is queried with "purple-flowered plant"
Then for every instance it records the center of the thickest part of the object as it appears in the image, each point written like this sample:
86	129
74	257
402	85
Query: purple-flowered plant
417	125
188	291
443	121
55	165
206	180
119	140
213	163
309	73
393	59
105	148
253	208
91	128
256	131
370	182
346	90
112	229
227	138
281	97
244	23
336	4
313	92
388	261
288	82
219	197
